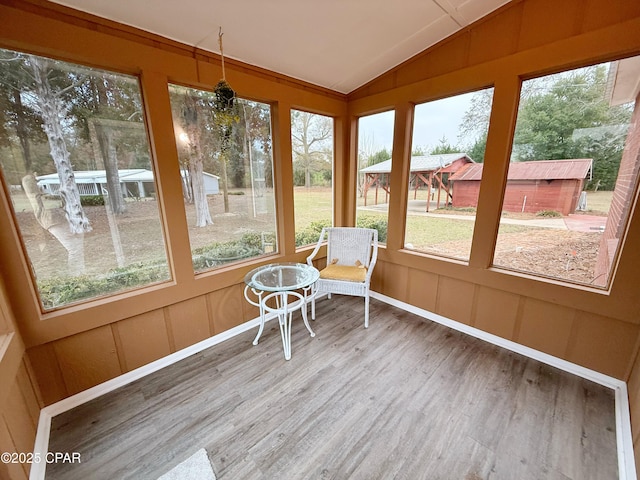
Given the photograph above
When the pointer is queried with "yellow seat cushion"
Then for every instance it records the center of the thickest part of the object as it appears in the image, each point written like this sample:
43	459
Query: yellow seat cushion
344	272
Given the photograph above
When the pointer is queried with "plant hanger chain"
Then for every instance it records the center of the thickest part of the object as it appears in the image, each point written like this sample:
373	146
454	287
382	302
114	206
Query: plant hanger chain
224	77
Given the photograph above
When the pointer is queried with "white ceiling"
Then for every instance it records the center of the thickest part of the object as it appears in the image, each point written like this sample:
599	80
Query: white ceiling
338	44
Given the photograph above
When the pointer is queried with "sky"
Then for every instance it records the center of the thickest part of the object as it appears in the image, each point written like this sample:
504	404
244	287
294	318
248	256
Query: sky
432	121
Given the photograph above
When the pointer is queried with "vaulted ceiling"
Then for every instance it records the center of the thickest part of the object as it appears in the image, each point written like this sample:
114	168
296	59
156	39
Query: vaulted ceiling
338	44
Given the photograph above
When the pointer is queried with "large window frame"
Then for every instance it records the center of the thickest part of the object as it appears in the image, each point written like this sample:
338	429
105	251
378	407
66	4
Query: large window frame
53	196
434	167
311	133
605	264
240	194
374	162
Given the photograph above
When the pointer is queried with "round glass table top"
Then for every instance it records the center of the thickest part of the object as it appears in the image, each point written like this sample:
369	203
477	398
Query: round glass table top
277	277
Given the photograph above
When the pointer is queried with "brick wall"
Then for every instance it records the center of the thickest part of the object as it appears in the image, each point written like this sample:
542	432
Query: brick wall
622	199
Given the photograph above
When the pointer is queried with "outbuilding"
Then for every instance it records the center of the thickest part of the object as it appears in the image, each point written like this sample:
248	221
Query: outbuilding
431	171
532	186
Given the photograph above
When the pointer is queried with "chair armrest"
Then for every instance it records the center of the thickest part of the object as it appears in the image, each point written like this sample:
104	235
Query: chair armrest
374	256
315	250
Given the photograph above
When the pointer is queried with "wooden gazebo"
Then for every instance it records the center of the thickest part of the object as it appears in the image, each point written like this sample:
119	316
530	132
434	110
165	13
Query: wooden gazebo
428	170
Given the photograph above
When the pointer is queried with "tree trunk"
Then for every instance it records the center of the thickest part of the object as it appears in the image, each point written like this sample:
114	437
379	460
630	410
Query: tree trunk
56	225
116	198
106	135
103	135
307	176
187	188
52	111
203	217
225	181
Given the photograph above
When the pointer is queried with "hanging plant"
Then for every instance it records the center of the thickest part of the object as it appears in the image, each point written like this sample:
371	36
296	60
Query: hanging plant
224	104
225	111
225	115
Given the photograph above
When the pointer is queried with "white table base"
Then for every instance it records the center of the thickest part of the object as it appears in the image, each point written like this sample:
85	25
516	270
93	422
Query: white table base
284	309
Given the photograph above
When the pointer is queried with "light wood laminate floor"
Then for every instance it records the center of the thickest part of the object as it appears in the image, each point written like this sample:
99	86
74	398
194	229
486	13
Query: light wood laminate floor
404	399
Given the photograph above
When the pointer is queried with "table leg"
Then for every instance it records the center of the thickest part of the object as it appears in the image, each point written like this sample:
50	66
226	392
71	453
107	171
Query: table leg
285	323
255	340
260	305
303	309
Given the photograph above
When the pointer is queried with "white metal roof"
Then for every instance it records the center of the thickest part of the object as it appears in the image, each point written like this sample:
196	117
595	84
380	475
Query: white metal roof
422	163
99	176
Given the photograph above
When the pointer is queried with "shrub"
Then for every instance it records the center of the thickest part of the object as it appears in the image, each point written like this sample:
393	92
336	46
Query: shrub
92	200
65	290
449	208
376	222
259	240
311	234
549	214
218	254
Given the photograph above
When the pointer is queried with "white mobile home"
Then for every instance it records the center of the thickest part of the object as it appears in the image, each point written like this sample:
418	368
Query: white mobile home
136	182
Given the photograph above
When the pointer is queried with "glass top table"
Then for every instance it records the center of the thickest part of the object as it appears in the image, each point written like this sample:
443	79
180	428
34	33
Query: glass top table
277	277
281	289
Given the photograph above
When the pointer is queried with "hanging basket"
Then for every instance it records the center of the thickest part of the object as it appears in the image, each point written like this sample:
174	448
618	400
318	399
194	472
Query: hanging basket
225	97
224	104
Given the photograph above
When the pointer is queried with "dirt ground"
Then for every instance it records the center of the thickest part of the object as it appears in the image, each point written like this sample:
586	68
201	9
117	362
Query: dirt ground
139	233
561	254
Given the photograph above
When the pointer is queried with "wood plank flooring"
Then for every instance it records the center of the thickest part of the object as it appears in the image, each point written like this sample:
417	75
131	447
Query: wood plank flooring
404	399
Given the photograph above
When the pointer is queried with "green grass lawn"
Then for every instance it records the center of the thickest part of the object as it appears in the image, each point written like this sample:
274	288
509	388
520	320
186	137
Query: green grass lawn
425	232
599	201
312	205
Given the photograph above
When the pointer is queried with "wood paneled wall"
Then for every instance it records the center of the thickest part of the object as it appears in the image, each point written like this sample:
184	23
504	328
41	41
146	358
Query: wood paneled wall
19	414
633	387
19	397
77	362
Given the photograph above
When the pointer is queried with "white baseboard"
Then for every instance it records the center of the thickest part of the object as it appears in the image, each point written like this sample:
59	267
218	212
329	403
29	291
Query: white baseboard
626	461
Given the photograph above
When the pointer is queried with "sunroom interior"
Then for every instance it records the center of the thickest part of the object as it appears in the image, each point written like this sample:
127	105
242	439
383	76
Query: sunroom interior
52	351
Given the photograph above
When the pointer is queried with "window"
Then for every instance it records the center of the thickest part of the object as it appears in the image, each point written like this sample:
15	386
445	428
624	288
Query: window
312	144
75	156
375	138
449	139
227	178
573	173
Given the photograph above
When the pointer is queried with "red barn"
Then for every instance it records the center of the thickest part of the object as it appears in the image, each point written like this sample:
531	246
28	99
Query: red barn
531	186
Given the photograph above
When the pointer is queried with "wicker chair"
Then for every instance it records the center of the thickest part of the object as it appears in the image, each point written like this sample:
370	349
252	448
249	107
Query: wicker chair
351	257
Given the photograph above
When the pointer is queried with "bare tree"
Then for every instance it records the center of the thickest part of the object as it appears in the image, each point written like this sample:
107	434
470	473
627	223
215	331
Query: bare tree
366	149
309	135
106	136
51	107
193	131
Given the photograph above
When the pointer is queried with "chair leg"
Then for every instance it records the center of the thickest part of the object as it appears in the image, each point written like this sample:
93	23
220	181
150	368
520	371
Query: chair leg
366	311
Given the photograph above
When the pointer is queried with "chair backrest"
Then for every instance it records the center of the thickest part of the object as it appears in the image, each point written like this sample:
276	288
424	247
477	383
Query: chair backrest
349	245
